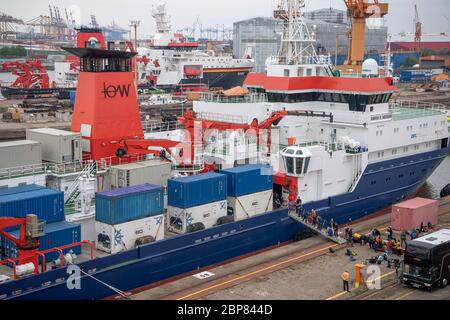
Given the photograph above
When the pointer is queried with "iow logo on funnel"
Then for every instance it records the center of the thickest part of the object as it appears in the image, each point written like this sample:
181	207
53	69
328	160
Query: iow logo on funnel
111	91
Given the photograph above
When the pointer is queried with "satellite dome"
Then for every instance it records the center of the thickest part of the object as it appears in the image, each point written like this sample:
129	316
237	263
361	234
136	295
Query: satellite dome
370	68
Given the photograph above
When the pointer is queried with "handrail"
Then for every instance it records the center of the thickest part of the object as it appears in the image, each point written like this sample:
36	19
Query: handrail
417	105
154	126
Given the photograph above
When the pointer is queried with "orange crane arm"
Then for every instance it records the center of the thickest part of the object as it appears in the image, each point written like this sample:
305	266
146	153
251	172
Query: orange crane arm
358	11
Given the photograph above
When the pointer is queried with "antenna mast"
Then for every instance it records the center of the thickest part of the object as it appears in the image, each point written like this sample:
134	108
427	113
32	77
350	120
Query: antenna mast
297	43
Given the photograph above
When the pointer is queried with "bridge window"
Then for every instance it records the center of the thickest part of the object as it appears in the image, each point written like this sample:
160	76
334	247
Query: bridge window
299	165
290	165
305	170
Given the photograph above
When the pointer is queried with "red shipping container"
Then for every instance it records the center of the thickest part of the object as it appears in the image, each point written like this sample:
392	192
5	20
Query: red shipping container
410	214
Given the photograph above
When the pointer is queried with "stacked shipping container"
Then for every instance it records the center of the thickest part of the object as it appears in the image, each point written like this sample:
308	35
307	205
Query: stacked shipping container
196	202
250	190
48	205
416	76
129	216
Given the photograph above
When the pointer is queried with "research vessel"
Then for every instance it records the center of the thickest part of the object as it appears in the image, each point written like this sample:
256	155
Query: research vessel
338	144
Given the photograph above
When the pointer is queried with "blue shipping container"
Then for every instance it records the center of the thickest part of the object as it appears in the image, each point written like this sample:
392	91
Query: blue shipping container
189	192
415	75
47	204
20	189
128	204
249	179
56	234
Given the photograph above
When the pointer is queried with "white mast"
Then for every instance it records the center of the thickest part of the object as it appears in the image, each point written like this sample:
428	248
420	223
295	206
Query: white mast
161	18
297	42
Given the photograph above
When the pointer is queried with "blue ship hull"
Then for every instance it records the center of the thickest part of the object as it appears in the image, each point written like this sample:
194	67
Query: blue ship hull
381	185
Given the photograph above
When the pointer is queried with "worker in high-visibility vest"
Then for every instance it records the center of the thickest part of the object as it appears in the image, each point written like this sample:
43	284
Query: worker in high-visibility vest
345	278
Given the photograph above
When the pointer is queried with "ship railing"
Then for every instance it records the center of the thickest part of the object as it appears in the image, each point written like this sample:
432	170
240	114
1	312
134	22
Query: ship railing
22	171
222	117
247	98
418	105
312	60
403	109
157	126
329	146
130	158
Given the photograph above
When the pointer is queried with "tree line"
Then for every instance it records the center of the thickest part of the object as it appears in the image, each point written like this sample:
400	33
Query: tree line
13	52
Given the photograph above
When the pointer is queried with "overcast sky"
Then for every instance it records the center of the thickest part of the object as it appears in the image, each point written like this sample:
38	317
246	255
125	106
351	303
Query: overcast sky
433	13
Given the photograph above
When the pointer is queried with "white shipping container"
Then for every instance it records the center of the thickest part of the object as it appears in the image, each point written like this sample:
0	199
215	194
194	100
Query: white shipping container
121	237
250	205
58	146
19	153
182	220
154	171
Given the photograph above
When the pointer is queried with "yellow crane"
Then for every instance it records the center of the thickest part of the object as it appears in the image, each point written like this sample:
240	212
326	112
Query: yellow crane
358	11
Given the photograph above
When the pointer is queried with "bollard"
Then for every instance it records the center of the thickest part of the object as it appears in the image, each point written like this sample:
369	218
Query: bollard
358	274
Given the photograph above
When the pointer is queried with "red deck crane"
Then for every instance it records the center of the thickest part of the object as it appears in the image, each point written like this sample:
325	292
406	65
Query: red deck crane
30	75
28	242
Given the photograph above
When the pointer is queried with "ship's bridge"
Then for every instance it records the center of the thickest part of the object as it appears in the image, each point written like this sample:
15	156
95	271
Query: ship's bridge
296	160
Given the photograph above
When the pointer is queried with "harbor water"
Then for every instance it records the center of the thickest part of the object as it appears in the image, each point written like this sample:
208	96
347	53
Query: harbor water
438	180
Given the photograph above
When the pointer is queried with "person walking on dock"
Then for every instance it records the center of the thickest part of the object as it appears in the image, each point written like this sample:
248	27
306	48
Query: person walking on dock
390	232
335	229
298	206
350	236
345	278
403	238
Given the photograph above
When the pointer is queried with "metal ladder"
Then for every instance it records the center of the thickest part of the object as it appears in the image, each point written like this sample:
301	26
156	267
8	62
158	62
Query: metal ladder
335	239
73	192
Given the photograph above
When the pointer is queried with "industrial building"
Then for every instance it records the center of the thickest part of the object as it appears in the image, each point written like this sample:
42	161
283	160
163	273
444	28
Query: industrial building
329	25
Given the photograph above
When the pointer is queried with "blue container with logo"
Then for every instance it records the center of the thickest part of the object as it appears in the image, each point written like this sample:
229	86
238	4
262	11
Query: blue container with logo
129	204
193	191
46	203
56	235
248	179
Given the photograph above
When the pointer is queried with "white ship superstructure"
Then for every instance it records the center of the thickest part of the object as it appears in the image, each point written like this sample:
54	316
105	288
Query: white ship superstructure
371	153
173	61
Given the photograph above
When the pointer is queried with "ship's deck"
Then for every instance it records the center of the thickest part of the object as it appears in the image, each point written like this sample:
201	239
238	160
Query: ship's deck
412	113
84	256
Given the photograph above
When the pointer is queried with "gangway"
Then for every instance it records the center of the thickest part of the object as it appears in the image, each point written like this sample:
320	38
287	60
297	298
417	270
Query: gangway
337	239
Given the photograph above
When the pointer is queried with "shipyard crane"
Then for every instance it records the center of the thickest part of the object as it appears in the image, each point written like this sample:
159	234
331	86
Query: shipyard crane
30	74
418	30
6	22
359	11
